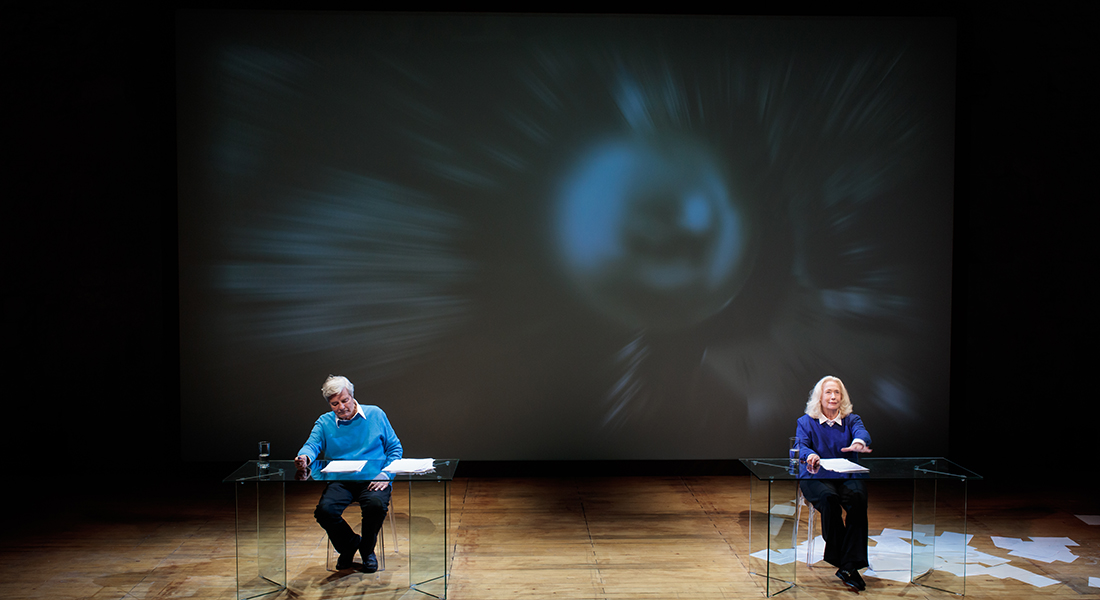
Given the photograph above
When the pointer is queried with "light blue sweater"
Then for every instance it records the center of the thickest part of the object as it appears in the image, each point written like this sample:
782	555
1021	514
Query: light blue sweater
367	437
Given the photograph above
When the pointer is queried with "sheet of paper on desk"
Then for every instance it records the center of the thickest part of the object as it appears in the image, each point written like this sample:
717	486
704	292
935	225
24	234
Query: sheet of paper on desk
842	465
411	465
344	466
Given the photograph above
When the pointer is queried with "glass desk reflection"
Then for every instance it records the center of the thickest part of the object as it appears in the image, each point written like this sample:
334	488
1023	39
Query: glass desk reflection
939	506
261	521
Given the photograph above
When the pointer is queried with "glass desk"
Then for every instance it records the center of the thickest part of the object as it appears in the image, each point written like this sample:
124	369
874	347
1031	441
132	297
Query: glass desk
939	506
261	522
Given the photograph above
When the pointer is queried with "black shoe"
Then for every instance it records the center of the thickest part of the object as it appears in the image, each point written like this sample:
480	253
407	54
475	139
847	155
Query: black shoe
347	559
852	579
370	563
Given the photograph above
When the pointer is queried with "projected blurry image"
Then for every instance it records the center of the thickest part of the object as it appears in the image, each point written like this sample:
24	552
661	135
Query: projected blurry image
648	231
575	238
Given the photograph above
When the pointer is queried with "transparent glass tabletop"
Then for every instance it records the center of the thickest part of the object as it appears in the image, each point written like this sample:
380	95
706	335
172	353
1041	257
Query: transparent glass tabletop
284	470
878	468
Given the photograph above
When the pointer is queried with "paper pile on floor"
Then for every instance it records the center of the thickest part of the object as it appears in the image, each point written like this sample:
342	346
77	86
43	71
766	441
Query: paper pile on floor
1044	549
891	555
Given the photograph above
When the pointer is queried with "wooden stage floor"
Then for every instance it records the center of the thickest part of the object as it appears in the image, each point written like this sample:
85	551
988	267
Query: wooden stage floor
612	538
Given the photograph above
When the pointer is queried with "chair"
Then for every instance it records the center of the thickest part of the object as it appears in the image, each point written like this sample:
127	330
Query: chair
809	526
380	548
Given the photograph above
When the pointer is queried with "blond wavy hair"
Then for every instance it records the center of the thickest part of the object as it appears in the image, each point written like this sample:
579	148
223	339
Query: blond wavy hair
813	405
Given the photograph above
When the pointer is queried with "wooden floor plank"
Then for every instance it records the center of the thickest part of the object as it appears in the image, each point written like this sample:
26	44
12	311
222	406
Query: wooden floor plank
613	538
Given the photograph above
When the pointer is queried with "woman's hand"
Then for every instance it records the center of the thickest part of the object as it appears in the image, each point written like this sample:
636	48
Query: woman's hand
856	447
813	461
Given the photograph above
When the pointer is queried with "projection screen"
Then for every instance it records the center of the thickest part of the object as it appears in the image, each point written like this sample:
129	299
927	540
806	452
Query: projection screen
563	237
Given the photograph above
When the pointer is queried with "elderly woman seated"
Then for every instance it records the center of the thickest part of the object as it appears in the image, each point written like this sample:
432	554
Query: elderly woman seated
830	429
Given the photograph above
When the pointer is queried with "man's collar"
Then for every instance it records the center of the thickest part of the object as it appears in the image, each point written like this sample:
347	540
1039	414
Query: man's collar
358	413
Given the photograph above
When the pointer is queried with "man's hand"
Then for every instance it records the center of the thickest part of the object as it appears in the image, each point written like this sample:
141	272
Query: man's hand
301	462
378	485
856	447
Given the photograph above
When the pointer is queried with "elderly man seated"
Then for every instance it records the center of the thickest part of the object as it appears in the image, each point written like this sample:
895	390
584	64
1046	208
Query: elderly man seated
351	431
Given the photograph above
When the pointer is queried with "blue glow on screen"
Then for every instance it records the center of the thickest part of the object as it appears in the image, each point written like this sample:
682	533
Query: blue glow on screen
649	232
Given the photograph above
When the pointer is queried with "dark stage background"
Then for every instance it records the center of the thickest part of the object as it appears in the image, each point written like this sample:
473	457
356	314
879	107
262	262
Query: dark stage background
102	324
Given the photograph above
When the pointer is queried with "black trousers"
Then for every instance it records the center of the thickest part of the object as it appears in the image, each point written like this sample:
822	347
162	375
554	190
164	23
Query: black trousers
845	539
337	496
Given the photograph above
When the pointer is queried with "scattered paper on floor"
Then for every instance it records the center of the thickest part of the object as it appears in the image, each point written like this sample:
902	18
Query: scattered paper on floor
891	556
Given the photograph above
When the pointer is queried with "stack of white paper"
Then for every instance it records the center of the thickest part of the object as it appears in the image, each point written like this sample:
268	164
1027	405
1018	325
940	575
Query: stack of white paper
411	465
344	466
842	465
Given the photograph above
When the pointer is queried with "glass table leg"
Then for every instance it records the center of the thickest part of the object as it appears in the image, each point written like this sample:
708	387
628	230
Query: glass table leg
261	538
429	553
772	531
939	534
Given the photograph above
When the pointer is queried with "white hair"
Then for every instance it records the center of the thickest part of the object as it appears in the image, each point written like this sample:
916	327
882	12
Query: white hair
813	405
336	384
